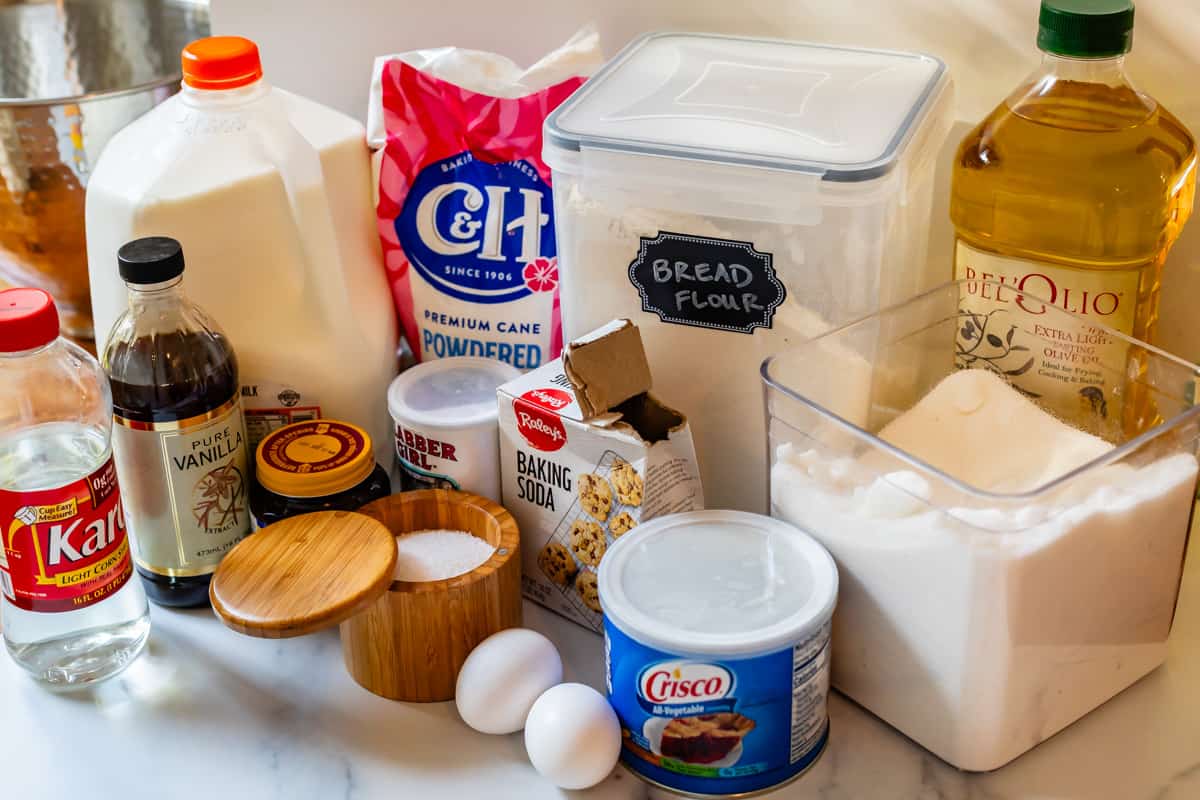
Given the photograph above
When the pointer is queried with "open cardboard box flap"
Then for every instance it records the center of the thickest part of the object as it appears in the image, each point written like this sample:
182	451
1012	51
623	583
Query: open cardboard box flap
607	367
585	432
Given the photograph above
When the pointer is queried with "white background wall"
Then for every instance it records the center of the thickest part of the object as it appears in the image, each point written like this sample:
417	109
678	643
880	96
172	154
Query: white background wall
324	49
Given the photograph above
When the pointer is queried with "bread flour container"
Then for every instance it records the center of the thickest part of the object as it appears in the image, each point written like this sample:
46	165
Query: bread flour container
446	424
269	194
731	196
716	629
980	622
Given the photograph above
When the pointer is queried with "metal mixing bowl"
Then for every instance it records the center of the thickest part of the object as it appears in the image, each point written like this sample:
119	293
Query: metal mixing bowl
73	73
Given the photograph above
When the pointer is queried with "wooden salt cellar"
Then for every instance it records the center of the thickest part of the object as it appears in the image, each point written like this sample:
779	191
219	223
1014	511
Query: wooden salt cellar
404	641
411	643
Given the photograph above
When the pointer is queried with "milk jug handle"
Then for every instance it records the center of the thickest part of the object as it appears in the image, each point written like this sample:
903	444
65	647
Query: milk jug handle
299	166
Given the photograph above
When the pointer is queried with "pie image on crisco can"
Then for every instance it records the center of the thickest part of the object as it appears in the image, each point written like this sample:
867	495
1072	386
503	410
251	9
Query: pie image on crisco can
706	738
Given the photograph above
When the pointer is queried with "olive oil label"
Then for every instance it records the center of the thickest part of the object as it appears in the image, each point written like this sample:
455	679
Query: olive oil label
1006	328
189	505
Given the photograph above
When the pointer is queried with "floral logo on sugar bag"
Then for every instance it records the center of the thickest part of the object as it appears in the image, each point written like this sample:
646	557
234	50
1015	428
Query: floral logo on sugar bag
478	231
541	275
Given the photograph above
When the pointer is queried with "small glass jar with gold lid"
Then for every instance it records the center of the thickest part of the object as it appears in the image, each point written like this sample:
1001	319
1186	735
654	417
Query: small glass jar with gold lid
317	465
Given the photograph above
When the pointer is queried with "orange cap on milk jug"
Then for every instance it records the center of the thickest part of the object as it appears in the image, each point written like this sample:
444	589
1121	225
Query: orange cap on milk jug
221	62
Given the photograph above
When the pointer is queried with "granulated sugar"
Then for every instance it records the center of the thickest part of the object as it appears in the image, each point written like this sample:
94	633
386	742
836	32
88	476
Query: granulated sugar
436	555
981	624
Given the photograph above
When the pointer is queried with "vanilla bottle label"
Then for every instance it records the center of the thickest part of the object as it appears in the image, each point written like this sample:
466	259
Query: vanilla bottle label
188	505
1000	329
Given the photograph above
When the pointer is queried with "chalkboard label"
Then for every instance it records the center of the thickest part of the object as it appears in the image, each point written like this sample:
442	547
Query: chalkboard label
707	283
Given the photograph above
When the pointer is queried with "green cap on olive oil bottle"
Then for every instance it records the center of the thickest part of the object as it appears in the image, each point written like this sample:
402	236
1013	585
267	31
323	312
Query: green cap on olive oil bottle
1086	28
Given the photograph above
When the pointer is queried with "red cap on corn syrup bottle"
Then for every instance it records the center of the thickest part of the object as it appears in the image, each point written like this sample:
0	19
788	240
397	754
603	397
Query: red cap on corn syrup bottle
28	319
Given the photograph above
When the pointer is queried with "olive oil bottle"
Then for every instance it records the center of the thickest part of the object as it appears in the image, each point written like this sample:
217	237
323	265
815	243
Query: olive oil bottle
1073	190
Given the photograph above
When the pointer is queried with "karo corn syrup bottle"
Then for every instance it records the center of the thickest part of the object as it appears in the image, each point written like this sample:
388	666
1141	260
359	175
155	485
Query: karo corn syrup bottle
72	616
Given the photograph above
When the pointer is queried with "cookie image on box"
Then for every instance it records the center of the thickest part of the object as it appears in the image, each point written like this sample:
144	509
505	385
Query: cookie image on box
628	483
595	495
587	542
621	524
589	590
556	563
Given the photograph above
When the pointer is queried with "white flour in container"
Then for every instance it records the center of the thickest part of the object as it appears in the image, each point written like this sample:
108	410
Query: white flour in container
980	626
436	555
709	375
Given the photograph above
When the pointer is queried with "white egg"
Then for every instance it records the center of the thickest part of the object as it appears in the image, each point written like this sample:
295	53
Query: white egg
572	736
503	676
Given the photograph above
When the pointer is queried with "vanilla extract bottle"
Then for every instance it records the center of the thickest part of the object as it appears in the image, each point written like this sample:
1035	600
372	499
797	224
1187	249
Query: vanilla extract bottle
179	438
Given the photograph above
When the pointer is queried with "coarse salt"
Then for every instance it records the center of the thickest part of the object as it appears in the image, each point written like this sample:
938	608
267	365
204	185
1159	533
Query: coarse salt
424	556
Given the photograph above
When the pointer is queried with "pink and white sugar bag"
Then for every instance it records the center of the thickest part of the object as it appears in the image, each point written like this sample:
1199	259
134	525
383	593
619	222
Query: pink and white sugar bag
464	203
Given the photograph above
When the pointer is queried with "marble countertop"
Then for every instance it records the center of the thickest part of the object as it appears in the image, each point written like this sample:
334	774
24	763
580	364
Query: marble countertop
207	713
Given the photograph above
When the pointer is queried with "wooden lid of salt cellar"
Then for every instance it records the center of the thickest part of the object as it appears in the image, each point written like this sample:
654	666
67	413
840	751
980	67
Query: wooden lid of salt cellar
303	574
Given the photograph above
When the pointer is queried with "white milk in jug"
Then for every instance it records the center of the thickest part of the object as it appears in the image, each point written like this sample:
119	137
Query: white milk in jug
269	195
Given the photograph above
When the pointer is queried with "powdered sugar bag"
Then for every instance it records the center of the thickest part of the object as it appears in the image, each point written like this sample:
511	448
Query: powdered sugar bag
464	206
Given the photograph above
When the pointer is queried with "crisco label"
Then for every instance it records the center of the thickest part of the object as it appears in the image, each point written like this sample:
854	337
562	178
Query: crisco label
1001	328
186	488
64	548
685	683
718	728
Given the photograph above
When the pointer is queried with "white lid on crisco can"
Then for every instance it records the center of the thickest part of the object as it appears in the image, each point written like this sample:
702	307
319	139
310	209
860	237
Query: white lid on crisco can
449	392
724	583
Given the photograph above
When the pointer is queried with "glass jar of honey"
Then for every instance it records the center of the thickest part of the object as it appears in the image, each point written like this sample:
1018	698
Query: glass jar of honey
317	465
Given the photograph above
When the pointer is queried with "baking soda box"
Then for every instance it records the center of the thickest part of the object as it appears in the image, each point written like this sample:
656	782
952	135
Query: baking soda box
587	454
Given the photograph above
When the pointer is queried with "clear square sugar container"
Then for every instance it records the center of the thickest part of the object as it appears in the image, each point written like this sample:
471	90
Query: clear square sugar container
981	621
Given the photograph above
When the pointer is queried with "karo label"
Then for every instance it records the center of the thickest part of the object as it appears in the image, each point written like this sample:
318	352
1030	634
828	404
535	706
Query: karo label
537	418
722	284
64	548
480	232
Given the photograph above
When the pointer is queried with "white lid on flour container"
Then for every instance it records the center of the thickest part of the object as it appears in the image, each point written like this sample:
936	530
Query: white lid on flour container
722	583
449	392
840	113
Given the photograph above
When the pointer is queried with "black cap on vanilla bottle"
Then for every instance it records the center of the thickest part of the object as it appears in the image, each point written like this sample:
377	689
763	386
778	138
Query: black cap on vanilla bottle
1086	28
152	259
